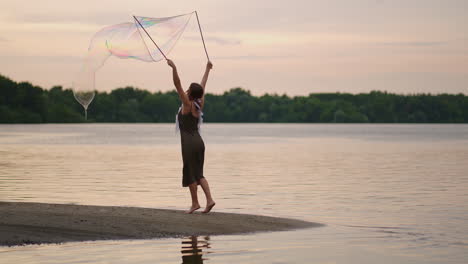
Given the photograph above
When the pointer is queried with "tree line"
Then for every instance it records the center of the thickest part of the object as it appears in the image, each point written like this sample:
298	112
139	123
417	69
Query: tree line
22	102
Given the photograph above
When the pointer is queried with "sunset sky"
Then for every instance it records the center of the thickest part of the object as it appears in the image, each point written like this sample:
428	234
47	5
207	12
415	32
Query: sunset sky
295	47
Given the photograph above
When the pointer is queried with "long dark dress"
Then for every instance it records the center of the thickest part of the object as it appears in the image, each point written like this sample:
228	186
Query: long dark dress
193	149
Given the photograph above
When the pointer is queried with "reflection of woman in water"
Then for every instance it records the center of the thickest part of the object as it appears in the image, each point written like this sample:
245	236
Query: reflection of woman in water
193	147
191	250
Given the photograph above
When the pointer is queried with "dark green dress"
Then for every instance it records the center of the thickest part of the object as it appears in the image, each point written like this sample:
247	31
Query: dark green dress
193	149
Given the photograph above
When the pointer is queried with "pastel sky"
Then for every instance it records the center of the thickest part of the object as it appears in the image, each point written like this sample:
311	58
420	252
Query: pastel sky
295	47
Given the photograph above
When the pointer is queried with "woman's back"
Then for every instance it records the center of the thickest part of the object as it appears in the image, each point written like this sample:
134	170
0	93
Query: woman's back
187	122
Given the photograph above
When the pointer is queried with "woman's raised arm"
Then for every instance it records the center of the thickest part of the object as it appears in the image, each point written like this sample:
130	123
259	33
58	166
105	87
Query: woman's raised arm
175	77
209	66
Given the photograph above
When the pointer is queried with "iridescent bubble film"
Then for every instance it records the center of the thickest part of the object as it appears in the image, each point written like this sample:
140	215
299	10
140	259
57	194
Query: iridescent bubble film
127	40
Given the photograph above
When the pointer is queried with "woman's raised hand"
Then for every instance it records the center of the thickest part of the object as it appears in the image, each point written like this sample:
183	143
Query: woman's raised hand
171	63
209	65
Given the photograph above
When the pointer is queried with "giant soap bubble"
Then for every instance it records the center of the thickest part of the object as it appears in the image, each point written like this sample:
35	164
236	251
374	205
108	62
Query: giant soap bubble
127	40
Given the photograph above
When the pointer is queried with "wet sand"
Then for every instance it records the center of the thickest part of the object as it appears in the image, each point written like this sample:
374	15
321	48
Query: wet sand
35	223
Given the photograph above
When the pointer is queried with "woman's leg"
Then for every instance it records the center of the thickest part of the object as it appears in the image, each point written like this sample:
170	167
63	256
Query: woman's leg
193	194
209	200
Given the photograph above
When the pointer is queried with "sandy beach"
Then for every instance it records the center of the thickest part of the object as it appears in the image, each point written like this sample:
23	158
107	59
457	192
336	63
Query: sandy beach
35	223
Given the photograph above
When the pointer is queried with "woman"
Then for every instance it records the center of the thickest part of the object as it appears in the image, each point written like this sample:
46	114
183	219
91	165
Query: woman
193	148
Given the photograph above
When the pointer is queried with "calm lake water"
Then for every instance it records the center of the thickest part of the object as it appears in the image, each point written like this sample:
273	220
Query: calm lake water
386	193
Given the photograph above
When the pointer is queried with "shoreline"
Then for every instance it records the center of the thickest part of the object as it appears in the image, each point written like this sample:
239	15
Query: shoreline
37	223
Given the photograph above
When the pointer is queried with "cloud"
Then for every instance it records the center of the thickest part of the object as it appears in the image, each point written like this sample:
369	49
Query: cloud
413	43
224	41
42	59
217	40
99	18
254	57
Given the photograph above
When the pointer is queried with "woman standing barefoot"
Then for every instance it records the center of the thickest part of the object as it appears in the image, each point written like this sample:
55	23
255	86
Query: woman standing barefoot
193	148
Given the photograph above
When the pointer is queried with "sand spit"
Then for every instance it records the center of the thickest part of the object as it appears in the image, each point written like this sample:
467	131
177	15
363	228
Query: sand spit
35	223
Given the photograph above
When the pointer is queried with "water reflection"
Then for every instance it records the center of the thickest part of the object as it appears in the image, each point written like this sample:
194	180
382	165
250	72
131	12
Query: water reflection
192	249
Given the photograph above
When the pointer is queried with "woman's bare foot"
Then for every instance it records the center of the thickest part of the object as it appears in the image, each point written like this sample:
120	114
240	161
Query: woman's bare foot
192	209
208	207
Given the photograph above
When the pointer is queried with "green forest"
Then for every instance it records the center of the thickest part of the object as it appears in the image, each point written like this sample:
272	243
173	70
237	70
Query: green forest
22	102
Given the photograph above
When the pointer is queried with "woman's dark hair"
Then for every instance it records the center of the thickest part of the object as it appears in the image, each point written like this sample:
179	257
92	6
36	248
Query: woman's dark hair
195	91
